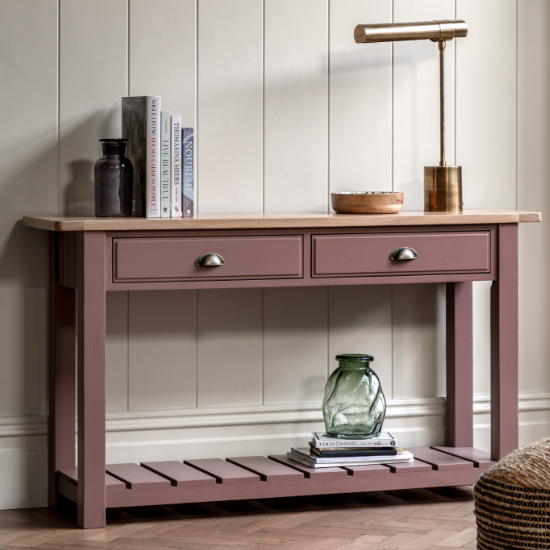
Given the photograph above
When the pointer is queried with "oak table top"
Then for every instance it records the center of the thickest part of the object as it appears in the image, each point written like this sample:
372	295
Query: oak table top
284	220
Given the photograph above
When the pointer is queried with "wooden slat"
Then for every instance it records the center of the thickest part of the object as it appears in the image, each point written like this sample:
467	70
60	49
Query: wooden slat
111	483
409	467
480	459
223	471
279	220
309	472
137	477
439	460
370	470
268	470
179	474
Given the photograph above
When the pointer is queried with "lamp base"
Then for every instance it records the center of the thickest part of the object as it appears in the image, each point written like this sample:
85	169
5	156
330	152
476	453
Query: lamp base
443	188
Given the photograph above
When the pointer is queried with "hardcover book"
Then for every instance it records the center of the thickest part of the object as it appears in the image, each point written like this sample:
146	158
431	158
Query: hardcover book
165	205
152	192
141	127
175	179
303	456
385	439
188	173
134	129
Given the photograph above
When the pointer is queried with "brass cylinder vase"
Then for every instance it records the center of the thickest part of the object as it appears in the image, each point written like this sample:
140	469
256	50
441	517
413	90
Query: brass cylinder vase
443	188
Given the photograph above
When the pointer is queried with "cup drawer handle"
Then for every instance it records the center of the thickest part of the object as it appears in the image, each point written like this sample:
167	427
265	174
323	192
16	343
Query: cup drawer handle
403	254
211	259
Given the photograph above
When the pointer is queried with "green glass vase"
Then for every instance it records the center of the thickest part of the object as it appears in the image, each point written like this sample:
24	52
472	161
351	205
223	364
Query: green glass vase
354	405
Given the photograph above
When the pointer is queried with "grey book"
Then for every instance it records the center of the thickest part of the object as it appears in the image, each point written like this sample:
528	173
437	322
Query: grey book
141	127
188	172
165	164
134	129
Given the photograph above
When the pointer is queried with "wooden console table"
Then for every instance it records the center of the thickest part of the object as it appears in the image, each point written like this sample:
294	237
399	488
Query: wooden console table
91	256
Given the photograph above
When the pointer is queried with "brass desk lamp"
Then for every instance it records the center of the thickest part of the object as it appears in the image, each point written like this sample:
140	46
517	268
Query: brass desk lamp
442	184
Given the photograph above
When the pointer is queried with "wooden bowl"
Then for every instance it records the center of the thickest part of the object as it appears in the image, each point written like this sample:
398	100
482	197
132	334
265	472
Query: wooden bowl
367	202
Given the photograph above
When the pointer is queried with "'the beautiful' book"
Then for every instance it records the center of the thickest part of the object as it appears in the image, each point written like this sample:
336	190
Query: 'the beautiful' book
165	205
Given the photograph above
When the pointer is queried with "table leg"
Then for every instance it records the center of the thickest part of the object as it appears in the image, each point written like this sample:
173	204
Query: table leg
62	379
504	346
460	366
90	281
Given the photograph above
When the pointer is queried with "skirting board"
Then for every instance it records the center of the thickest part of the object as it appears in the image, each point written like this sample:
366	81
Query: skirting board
23	453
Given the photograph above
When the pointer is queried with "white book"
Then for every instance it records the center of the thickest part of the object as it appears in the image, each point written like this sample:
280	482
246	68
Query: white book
165	204
175	191
385	439
152	196
302	456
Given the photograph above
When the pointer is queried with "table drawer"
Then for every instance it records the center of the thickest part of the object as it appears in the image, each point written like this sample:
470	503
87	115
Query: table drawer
173	258
364	255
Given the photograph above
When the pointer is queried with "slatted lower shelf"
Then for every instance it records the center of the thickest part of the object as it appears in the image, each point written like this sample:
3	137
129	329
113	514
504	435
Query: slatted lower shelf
253	477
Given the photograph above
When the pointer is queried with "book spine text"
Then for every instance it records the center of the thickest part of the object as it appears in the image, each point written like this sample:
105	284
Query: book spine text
165	205
188	173
175	179
153	157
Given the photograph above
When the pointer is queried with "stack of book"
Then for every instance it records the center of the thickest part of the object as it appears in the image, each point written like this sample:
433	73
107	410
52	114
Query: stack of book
161	152
329	452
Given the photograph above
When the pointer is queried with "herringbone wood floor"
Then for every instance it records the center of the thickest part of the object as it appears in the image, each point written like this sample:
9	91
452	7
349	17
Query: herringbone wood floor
412	520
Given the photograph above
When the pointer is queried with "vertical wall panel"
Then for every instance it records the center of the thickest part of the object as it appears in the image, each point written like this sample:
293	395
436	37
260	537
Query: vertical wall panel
295	345
534	191
162	54
116	352
92	81
418	345
360	99
162	366
486	103
360	159
486	130
296	105
28	185
162	349
230	348
296	179
416	100
360	322
230	97
415	145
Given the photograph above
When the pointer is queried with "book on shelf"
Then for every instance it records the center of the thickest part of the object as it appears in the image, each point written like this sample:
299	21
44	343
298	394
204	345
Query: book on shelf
141	127
165	205
304	456
176	194
188	172
352	451
384	439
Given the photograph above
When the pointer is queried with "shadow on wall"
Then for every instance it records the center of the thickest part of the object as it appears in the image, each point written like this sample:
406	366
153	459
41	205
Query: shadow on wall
29	185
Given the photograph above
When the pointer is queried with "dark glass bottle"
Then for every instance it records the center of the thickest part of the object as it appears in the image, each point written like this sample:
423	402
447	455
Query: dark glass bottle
113	175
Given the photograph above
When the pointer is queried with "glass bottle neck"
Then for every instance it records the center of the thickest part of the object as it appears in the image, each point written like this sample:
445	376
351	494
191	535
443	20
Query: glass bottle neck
113	149
353	365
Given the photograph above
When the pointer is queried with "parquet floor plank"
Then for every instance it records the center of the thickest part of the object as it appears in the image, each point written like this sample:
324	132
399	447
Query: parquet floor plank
440	519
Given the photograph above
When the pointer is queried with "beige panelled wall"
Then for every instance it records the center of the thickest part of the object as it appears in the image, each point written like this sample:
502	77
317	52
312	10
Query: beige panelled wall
287	108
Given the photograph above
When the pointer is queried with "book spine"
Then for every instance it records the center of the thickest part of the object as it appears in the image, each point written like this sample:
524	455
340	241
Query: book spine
175	178
134	129
165	205
356	443
153	157
188	173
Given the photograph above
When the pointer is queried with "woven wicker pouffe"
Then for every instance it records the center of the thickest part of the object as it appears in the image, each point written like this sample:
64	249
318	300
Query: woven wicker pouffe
512	501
